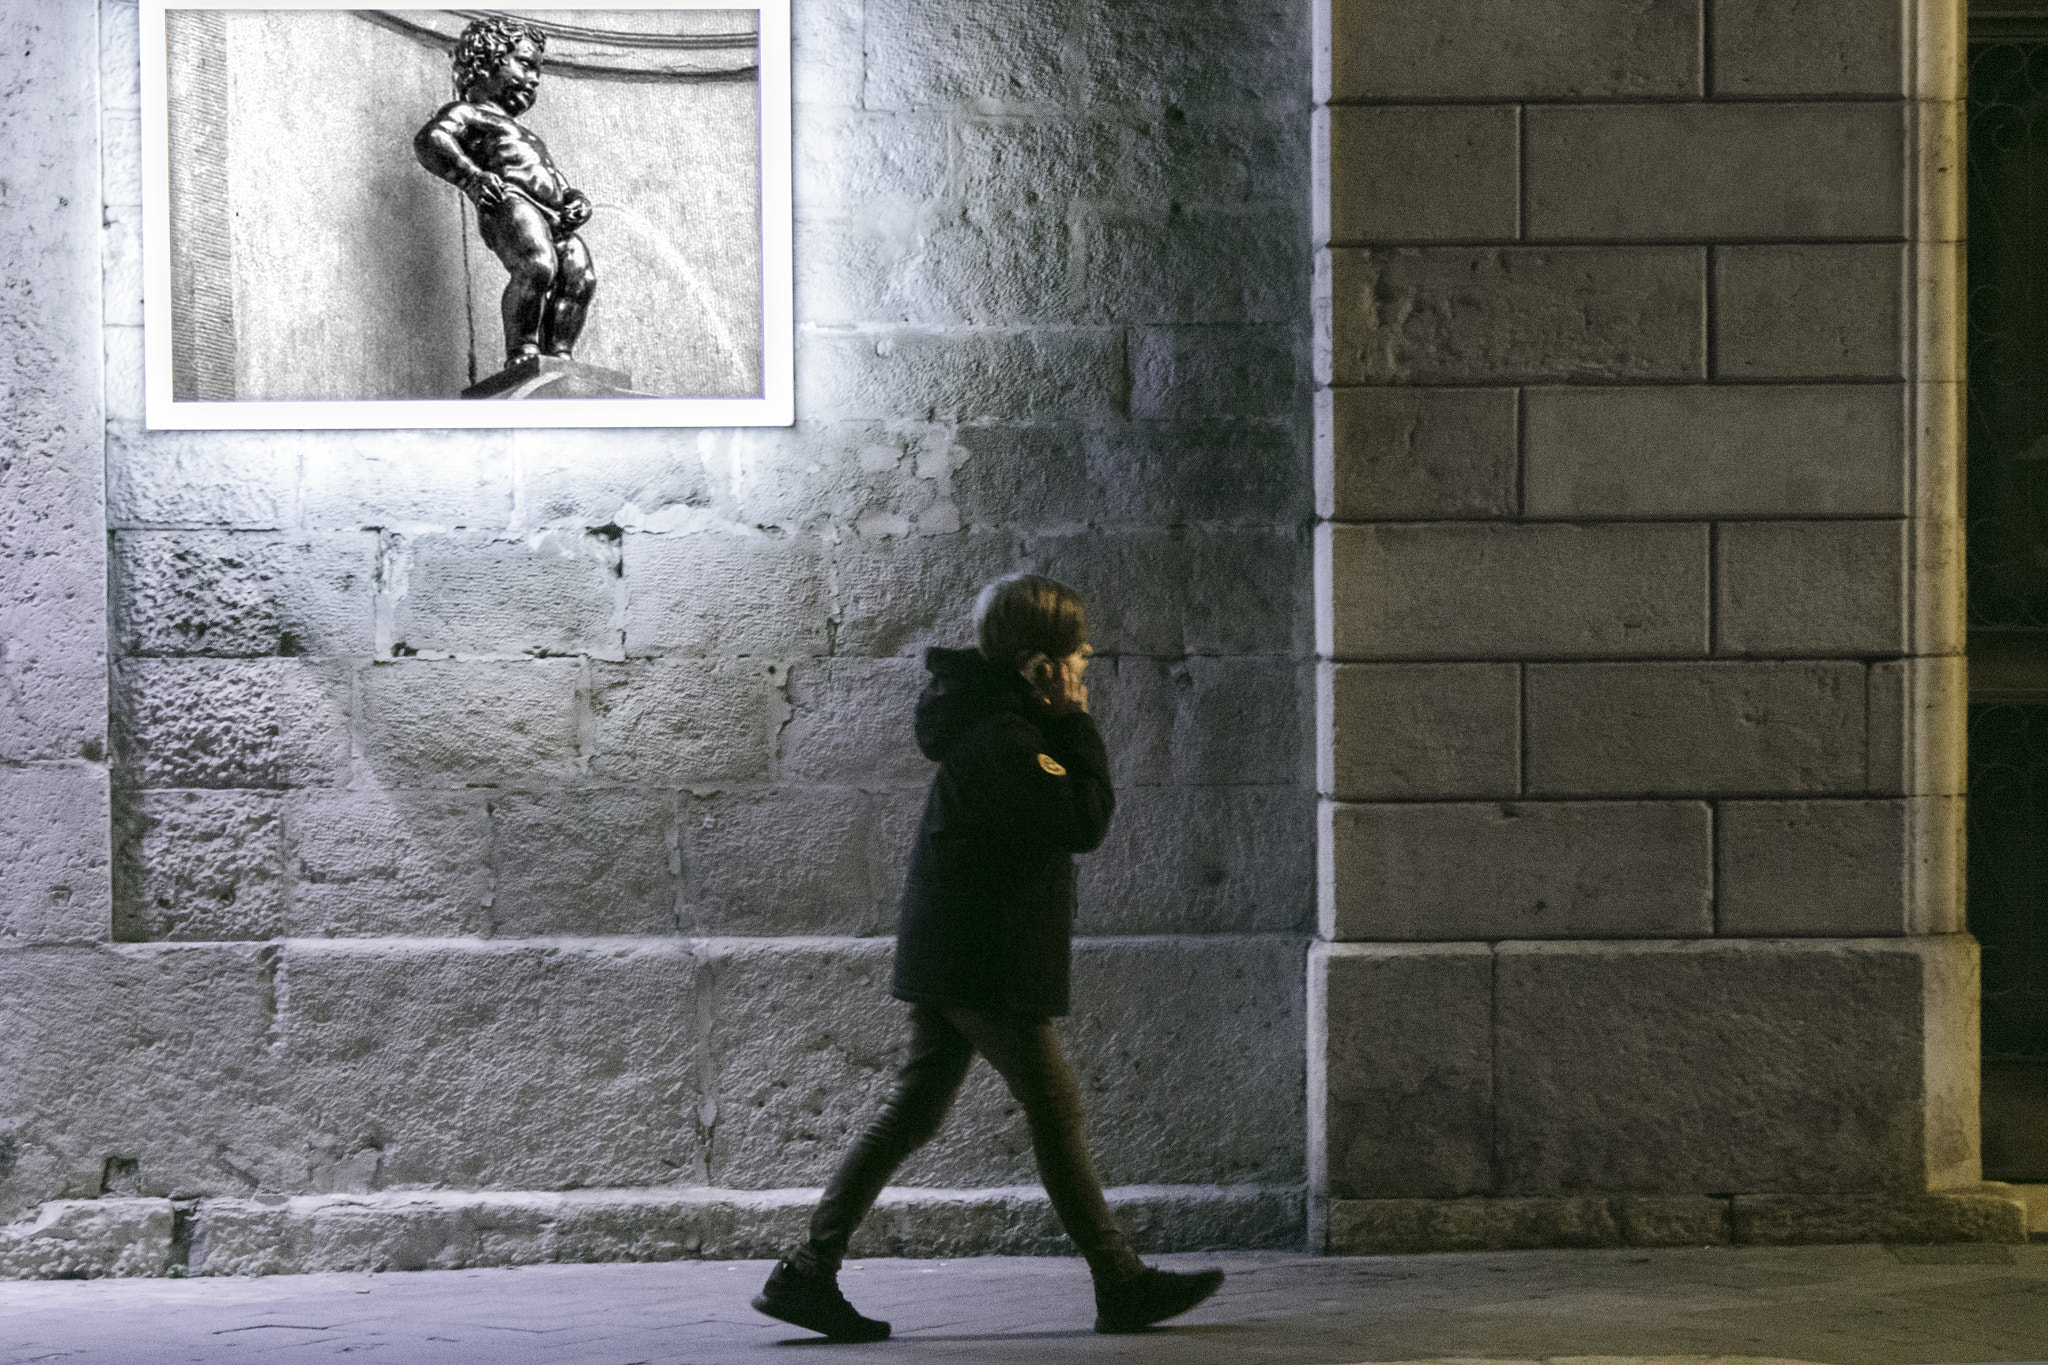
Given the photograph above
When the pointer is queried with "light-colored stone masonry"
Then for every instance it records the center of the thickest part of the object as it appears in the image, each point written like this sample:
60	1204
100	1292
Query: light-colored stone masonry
499	814
1638	605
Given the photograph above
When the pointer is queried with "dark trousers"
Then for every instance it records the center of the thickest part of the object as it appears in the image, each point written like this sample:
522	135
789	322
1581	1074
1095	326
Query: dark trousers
1026	1053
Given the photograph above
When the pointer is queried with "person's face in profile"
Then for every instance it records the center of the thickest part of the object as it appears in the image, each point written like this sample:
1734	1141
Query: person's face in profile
513	82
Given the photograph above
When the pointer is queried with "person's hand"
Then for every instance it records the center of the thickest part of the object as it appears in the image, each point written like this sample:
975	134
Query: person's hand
1059	683
487	189
575	209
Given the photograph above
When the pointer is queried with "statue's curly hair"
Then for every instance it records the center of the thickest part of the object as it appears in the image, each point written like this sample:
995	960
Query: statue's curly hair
484	41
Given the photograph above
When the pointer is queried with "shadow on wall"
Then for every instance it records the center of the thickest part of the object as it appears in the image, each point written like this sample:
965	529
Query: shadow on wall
314	259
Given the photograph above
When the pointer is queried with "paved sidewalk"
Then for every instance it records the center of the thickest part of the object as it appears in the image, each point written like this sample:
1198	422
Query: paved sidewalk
1843	1305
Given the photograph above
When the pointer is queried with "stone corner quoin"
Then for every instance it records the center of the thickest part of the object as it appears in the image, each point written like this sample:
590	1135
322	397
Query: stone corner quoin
1638	623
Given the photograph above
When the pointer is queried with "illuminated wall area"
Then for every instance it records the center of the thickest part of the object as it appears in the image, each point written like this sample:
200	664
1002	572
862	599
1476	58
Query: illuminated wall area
523	814
1511	449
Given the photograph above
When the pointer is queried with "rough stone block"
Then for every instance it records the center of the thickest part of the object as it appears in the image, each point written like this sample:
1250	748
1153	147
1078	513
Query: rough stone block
1220	371
948	375
1809	311
1700	171
1246	471
736	592
233	722
803	1048
1422	173
448	724
897	594
859	164
1180	860
557	592
86	1239
1474	590
585	862
1402	1226
120	57
1418	731
121	156
850	723
427	1230
1697	729
182	1030
1237	721
1919	741
1219	155
1183	53
982	269
1451	870
806	1048
1000	54
249	594
408	1062
201	478
1491	315
1400	1070
1173	264
405	480
1768	450
783	861
1380	1227
1201	721
121	265
1508	49
1820	1219
1214	1017
1811	588
826	59
53	843
1393	454
677	721
1841	869
1834	47
1199	590
201	866
387	861
1134	702
1721	1066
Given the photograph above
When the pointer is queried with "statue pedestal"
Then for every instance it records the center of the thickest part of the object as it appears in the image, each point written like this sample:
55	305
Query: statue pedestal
552	376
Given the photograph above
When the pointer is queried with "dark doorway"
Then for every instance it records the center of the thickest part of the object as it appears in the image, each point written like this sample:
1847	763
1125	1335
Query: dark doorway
2007	490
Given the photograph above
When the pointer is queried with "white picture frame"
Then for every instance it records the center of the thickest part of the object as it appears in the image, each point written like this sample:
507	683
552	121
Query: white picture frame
329	324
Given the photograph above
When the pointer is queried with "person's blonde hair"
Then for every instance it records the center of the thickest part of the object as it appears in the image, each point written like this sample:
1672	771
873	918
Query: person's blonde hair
1022	614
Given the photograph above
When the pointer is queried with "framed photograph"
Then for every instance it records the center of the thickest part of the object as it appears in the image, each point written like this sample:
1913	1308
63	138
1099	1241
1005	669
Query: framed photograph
525	216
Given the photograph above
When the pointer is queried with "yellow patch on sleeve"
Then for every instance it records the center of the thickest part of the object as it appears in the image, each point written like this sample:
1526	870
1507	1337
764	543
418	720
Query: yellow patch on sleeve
1047	762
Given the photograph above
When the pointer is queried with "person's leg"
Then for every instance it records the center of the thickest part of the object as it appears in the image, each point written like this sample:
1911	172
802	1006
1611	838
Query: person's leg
1027	1053
568	303
937	1061
804	1286
519	236
1129	1295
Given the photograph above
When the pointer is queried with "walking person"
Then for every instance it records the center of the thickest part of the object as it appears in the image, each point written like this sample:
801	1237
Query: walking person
983	944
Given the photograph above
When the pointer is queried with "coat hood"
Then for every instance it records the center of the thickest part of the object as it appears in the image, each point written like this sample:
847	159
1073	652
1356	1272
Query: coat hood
964	690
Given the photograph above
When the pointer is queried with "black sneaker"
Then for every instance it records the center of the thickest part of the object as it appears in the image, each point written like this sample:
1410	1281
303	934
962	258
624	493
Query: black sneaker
1152	1297
812	1300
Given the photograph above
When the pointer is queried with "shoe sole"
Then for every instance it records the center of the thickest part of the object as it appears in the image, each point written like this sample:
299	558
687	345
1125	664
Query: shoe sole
1108	1327
762	1305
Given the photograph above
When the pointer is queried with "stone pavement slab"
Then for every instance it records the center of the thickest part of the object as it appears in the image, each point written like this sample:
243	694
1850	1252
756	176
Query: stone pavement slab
1846	1305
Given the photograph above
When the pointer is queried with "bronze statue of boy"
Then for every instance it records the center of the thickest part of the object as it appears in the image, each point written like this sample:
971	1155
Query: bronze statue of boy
526	209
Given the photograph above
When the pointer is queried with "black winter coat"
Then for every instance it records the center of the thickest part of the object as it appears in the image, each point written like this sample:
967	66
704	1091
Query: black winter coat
987	916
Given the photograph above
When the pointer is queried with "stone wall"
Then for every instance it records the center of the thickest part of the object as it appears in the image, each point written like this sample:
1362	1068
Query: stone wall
1639	596
499	814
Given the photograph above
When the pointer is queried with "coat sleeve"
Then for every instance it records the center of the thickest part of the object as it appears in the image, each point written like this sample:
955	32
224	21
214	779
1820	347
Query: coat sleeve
1049	783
